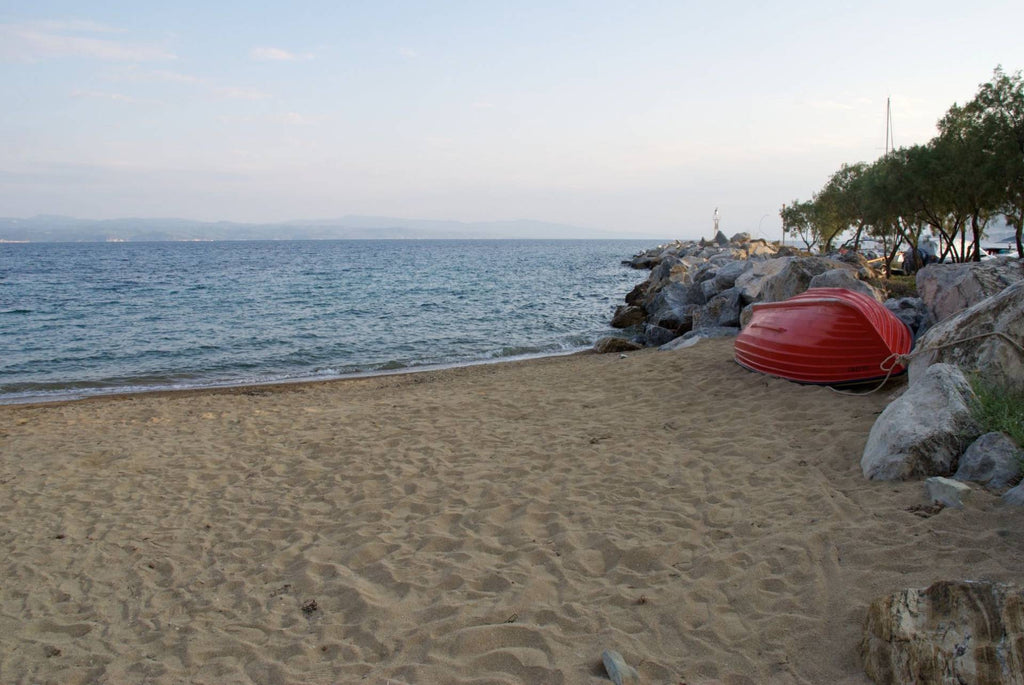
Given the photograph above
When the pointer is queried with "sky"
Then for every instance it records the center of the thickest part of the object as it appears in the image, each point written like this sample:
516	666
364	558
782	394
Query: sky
639	118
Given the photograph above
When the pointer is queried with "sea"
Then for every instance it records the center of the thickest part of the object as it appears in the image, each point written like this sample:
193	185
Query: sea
83	319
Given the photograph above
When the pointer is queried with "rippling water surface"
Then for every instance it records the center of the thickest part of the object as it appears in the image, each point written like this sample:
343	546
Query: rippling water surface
88	318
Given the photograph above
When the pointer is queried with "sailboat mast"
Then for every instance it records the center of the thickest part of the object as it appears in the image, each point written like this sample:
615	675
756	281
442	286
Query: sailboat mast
889	144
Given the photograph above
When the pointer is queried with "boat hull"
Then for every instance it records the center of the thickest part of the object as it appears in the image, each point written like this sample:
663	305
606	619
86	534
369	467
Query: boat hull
824	336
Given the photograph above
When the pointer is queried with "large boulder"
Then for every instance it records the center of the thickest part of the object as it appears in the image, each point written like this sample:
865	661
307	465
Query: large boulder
795	277
924	431
656	336
845	278
751	281
1014	496
722	310
726	275
611	344
628	315
955	632
673	306
993	460
985	339
909	310
951	288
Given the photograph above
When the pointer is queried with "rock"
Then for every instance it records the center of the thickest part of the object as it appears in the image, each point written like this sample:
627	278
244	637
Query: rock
909	310
721	240
845	278
711	332
795	277
993	460
855	259
673	307
629	315
637	294
1014	496
951	288
985	338
721	310
613	344
761	248
655	336
951	632
680	343
742	237
619	671
946	491
726	275
751	281
924	431
709	288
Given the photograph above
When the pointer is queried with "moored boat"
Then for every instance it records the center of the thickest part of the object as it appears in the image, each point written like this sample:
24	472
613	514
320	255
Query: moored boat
825	336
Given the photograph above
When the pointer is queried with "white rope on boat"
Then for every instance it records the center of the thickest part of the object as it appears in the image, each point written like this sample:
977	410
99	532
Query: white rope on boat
889	364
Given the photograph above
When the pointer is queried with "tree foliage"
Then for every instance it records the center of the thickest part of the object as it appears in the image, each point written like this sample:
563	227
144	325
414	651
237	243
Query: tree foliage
970	172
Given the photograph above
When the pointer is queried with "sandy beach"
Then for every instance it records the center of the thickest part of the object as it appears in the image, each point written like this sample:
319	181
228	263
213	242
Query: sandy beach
489	524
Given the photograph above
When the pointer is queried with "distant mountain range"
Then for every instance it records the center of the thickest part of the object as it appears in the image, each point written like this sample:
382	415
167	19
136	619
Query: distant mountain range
68	229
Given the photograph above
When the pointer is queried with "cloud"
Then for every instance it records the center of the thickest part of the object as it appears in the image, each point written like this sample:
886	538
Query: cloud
37	41
202	83
292	119
408	53
117	97
279	55
236	93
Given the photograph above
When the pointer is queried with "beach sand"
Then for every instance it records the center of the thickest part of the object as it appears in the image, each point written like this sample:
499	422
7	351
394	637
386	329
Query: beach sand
489	524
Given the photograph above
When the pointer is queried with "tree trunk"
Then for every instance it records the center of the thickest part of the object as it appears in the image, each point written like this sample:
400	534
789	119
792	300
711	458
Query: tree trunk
976	233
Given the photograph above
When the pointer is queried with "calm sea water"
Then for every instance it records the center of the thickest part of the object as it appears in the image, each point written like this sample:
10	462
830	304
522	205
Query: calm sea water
91	318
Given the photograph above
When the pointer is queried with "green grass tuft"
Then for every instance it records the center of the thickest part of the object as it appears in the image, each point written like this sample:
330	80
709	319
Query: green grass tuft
999	408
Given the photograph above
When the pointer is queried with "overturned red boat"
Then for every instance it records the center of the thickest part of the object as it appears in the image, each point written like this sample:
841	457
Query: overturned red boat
825	336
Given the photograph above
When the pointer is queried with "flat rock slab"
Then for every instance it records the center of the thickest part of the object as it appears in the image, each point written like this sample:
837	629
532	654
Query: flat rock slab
946	491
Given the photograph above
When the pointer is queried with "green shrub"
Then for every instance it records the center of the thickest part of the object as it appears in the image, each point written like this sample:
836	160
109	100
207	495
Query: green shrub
895	286
999	408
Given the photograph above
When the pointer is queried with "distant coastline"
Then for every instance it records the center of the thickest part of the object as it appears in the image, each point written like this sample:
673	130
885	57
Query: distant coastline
44	228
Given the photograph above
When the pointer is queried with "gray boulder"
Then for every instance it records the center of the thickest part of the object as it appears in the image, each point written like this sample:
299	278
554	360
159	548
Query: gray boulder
691	338
909	310
673	306
951	288
985	339
751	282
954	632
993	460
726	275
721	240
613	344
924	431
845	278
721	310
946	491
1014	496
795	277
628	315
655	336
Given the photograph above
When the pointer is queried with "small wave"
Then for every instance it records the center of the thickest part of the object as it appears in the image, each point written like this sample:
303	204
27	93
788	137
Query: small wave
518	351
393	366
17	311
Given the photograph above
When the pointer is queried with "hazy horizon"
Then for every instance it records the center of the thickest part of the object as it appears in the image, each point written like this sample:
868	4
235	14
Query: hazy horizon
637	119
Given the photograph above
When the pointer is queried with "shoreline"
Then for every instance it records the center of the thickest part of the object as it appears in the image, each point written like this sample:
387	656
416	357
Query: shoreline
489	524
129	391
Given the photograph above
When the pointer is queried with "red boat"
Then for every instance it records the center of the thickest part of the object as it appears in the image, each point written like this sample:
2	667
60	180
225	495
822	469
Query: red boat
826	336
